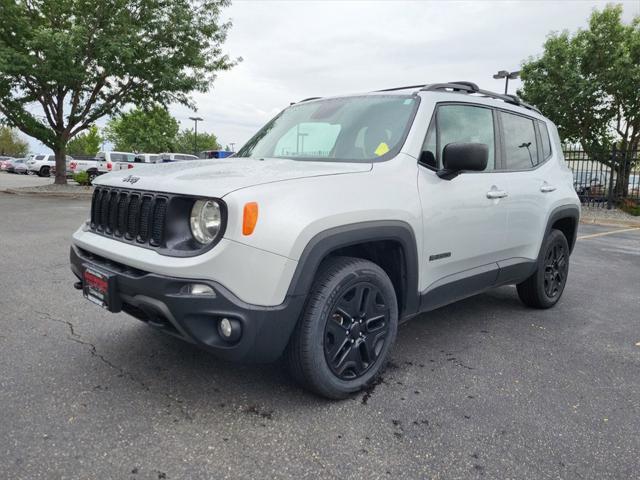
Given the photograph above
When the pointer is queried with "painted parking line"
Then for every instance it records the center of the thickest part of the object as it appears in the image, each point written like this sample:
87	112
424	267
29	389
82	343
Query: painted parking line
610	232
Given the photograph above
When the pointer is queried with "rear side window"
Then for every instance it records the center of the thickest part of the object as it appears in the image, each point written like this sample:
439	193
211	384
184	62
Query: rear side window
546	141
455	124
520	147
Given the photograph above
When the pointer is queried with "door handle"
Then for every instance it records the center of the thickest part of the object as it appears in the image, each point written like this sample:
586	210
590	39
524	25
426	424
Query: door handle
496	194
547	188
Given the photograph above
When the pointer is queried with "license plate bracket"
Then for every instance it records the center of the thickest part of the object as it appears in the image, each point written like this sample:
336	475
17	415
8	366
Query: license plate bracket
99	287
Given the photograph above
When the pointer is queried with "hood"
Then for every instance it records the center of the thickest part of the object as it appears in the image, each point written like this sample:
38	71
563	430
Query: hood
219	177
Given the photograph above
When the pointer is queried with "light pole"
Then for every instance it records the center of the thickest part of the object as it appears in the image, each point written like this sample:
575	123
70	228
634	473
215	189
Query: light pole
507	75
233	146
195	136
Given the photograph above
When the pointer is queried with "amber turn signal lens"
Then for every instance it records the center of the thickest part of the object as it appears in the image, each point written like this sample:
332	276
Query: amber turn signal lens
250	218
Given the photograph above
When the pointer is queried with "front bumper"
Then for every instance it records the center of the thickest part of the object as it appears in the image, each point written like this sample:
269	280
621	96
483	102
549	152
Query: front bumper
158	301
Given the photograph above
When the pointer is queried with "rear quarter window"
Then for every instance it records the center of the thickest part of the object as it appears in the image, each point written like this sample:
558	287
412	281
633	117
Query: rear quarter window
545	139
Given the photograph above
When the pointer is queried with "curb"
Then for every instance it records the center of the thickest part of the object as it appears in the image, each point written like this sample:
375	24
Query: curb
77	195
610	222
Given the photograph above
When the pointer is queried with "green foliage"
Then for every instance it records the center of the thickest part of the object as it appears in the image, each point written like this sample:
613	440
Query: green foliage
75	61
588	83
11	144
82	178
150	130
185	142
632	207
85	143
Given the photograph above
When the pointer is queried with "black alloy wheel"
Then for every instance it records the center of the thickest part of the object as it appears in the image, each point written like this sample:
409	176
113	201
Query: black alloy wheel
349	324
356	330
555	269
544	287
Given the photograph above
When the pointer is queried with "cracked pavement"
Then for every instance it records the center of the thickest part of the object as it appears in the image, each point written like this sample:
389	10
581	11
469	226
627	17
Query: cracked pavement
485	388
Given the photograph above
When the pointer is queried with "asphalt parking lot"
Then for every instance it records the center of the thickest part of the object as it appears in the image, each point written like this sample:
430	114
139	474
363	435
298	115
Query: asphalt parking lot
485	388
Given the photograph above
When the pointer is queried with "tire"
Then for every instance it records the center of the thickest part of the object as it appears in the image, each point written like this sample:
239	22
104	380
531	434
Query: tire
92	176
544	287
44	172
338	347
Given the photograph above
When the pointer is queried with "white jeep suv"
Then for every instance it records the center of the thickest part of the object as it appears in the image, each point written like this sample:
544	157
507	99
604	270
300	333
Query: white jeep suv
43	165
338	220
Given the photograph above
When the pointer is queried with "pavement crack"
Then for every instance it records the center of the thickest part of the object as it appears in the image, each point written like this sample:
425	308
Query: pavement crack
64	322
123	373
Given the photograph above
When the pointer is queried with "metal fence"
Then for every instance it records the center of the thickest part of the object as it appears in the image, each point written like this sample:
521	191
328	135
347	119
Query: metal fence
605	179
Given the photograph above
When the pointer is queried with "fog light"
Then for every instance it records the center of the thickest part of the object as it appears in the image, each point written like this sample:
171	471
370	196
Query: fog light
229	329
197	289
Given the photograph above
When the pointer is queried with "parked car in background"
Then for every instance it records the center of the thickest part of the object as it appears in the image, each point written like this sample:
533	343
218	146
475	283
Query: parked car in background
5	162
177	157
42	165
11	164
20	166
215	154
117	160
586	183
148	158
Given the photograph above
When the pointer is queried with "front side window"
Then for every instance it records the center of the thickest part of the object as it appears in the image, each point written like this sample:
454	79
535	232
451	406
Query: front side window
459	124
350	129
520	147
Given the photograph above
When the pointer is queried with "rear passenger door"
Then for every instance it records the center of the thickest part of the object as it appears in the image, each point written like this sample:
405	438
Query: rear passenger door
527	147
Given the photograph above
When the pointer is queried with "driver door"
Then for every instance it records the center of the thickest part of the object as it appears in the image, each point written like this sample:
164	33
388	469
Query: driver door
465	218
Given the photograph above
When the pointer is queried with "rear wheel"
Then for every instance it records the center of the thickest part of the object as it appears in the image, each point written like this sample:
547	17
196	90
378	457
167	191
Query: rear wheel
92	176
544	288
45	172
348	326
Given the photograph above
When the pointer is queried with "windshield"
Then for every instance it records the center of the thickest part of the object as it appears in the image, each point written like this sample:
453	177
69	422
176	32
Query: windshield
352	129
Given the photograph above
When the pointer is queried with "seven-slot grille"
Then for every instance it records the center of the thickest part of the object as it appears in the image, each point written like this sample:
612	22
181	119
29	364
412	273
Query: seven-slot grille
129	215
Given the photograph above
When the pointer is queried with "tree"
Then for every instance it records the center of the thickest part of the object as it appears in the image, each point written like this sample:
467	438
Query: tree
79	60
186	143
85	143
588	84
151	130
11	144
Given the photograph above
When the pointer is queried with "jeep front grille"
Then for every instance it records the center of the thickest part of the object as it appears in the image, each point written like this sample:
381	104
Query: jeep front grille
133	216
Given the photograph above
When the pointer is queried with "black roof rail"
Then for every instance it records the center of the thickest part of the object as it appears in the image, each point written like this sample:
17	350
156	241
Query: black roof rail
309	99
470	87
399	88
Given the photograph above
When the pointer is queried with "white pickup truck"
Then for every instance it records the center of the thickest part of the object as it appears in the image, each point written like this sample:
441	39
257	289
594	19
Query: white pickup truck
94	167
117	160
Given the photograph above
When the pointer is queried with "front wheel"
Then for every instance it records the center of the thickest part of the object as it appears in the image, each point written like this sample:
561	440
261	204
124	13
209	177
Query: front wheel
347	329
544	287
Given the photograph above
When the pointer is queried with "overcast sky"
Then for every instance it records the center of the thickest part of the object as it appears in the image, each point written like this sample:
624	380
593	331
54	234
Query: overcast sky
297	49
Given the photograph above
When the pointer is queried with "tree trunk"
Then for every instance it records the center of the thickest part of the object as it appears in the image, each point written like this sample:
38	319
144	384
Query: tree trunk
61	165
623	172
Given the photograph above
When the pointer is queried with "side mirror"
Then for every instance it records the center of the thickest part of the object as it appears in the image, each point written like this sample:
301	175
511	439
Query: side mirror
458	157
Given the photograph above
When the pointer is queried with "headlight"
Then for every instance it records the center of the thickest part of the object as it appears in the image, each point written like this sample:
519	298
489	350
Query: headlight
206	220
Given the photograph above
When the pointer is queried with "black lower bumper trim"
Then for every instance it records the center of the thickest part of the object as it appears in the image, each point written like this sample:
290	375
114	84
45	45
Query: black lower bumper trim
158	300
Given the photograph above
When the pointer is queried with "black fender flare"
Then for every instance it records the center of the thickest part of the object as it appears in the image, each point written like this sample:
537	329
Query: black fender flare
326	242
564	211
